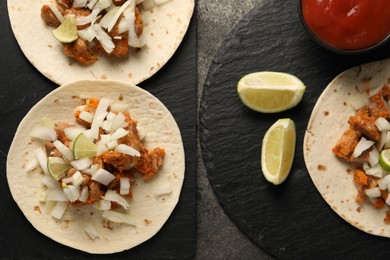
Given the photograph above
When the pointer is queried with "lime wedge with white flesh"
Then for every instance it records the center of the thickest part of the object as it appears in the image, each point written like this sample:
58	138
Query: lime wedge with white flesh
278	149
384	160
83	147
67	31
270	92
57	167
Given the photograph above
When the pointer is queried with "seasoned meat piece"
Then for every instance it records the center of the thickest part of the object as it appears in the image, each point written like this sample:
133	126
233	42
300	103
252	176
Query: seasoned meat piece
51	150
150	162
139	27
48	17
120	161
346	144
365	124
378	106
118	2
121	48
70	173
59	127
95	193
80	52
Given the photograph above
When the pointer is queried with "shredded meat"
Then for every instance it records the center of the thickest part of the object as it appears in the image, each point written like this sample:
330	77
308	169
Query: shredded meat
80	51
119	161
59	127
95	193
51	150
139	27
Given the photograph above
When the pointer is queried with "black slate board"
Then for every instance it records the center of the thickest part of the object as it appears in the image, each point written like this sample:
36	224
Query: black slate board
291	220
22	86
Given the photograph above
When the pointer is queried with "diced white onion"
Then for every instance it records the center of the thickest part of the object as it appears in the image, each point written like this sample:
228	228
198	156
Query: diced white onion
373	156
55	195
375	91
103	176
119	133
83	20
87	34
148	4
72	193
57	13
124	186
102	148
31	165
79	3
104	22
384	183
125	149
81	164
91	4
104	38
91	231
118	121
72	132
382	141
50	183
117	217
41	156
59	209
112	144
84	194
112	195
64	150
86	116
119	107
91	171
107	126
388	200
373	192
376	171
67	180
382	124
361	146
103	4
102	205
111	116
112	21
44	133
77	179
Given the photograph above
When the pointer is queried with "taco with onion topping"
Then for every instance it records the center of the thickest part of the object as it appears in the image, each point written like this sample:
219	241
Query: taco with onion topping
126	40
97	166
347	134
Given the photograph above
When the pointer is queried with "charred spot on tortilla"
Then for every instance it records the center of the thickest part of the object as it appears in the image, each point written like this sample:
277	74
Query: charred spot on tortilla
326	113
321	167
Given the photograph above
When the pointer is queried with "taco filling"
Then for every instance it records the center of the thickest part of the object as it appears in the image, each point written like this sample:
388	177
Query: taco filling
93	161
89	28
362	143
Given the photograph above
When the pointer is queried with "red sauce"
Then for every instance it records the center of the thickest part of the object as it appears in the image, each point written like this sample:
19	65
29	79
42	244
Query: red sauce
348	24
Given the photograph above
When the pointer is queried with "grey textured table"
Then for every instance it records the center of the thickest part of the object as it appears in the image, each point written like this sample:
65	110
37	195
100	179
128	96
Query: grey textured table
218	237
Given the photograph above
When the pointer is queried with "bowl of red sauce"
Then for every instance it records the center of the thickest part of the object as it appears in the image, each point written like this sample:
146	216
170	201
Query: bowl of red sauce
347	26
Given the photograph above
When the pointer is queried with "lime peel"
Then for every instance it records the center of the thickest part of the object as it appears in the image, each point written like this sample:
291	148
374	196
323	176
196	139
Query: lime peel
278	149
67	31
83	147
270	92
384	159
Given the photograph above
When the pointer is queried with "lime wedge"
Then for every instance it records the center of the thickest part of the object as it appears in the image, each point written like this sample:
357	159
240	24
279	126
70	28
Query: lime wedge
277	152
83	147
57	167
270	92
67	31
384	160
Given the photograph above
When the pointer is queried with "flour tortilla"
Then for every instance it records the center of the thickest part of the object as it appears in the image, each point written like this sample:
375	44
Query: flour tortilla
164	29
161	130
332	176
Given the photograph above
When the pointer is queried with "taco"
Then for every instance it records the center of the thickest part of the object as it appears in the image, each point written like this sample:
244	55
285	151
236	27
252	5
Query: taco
97	166
105	44
345	136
